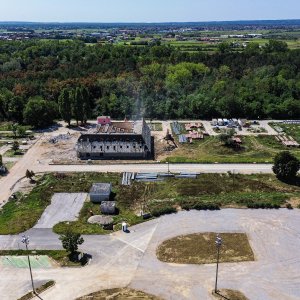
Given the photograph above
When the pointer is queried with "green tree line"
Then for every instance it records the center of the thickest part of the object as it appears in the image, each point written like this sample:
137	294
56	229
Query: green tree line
41	81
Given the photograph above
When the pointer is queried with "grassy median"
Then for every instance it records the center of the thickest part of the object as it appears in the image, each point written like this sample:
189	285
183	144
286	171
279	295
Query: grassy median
200	248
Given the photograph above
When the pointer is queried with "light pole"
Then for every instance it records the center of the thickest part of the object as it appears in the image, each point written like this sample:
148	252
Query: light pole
218	245
25	240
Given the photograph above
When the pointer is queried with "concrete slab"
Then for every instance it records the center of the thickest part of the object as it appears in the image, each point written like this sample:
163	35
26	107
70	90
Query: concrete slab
63	207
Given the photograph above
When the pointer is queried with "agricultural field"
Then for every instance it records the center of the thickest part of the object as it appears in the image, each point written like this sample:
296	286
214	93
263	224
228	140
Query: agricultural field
254	149
208	191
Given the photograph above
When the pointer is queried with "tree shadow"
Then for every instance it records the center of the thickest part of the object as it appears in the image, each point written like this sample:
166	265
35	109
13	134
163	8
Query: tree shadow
290	181
222	296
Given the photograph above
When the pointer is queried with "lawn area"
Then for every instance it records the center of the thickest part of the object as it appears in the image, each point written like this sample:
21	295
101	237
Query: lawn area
119	294
7	126
208	191
230	295
200	248
12	153
260	149
21	214
156	126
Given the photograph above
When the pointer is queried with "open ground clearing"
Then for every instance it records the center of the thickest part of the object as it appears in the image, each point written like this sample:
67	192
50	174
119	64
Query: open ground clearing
208	191
200	248
119	294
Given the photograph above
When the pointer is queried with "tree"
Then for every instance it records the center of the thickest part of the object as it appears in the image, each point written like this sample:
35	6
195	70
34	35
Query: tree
40	113
286	165
226	138
29	174
65	105
15	146
14	128
77	105
21	132
70	241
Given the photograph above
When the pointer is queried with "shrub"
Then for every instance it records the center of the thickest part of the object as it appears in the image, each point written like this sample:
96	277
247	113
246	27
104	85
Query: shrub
200	206
289	206
263	205
163	210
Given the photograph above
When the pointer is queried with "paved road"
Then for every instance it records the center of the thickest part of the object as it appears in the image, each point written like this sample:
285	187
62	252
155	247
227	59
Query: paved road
159	167
129	259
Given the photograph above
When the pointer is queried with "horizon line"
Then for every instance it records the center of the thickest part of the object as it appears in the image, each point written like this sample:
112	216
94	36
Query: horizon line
144	22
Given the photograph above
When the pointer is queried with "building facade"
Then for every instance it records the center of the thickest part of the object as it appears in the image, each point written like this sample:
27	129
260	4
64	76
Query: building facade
118	140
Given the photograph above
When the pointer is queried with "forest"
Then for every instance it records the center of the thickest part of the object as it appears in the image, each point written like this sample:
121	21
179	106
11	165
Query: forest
45	80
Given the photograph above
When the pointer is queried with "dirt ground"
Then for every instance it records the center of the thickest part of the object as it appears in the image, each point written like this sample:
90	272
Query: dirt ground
61	151
119	294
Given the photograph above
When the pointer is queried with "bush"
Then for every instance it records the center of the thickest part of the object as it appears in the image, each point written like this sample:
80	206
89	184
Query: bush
201	206
163	210
286	165
289	206
263	205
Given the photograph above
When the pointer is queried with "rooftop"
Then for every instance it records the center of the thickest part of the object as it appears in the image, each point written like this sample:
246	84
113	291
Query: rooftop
101	188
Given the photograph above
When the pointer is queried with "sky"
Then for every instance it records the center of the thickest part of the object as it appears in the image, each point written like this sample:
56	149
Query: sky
147	10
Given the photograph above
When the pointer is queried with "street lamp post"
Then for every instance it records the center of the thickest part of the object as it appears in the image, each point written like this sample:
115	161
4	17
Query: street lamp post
168	167
25	240
218	245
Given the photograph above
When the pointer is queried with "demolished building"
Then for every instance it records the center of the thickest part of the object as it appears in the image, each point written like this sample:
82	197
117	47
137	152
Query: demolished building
117	140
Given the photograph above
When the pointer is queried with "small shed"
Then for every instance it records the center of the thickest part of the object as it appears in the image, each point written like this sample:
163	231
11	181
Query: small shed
100	192
108	207
103	120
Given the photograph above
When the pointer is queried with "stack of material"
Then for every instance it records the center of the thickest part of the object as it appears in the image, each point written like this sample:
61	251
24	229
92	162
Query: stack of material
288	141
147	177
194	135
187	175
127	178
176	127
108	207
191	126
182	139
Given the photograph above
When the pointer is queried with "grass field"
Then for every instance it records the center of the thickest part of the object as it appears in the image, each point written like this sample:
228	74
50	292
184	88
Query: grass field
200	248
11	153
224	190
259	149
21	214
119	294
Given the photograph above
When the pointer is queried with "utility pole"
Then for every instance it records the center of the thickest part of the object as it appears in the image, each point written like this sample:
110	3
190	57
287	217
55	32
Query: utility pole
168	167
25	240
218	245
